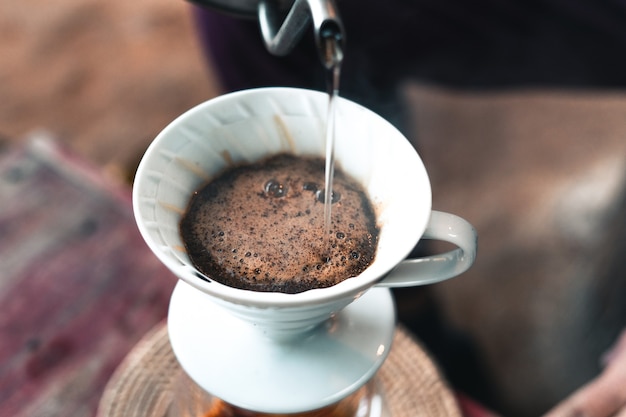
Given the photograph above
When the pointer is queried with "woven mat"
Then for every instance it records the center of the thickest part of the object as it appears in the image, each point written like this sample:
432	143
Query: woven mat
142	384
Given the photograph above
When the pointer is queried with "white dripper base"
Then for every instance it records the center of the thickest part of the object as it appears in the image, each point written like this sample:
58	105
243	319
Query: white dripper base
243	365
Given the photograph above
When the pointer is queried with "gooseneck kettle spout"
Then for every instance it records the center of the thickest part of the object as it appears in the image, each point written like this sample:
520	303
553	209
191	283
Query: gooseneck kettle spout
280	35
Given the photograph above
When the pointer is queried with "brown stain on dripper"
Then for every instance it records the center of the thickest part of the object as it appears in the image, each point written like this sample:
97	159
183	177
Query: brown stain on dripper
228	158
195	169
284	133
172	208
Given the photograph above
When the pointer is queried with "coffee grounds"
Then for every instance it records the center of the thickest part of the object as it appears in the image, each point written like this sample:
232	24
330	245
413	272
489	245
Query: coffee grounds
260	227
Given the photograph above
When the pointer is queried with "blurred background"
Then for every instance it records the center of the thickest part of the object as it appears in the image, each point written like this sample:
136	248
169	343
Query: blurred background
102	77
539	167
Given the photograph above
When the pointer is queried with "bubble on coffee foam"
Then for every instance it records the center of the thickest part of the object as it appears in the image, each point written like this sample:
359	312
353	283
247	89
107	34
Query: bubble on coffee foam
274	188
335	196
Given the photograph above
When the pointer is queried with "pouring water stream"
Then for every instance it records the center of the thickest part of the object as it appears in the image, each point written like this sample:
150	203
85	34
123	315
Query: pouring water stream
332	58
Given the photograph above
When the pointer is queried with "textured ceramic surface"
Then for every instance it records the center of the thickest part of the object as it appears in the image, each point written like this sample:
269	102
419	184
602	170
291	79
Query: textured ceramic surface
276	352
248	125
255	371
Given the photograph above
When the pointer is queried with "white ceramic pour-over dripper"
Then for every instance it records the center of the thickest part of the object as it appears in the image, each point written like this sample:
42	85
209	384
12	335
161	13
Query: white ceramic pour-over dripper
282	330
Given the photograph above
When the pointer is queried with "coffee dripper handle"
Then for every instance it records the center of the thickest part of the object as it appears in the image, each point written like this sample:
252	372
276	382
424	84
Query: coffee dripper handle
434	268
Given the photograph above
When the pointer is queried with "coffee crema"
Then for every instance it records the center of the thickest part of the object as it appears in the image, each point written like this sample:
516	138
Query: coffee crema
261	227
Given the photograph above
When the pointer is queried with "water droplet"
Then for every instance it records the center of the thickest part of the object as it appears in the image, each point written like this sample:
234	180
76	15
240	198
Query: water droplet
273	188
340	235
354	255
335	196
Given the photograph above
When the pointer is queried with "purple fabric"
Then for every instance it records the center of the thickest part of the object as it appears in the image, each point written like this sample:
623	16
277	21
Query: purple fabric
482	43
236	48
